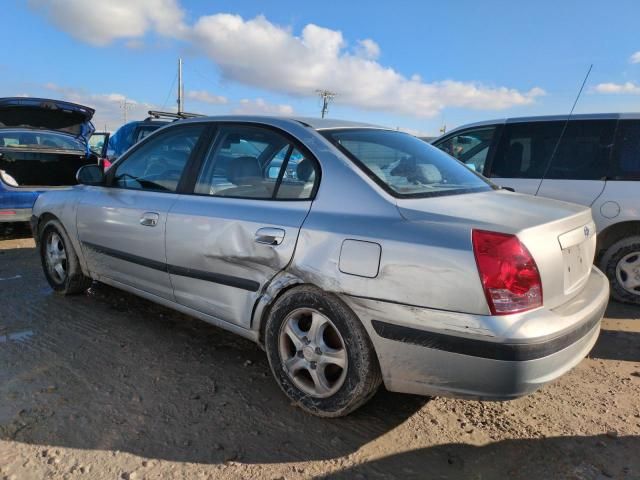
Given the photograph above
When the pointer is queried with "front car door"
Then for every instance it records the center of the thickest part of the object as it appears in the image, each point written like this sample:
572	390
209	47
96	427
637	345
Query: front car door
239	227
121	226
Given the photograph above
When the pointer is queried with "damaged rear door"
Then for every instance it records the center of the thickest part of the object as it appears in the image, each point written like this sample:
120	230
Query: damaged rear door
238	228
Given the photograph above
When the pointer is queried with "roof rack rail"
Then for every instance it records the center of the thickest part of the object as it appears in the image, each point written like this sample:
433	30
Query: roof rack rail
156	114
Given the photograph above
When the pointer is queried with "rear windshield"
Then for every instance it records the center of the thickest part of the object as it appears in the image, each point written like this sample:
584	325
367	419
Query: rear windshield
34	139
405	165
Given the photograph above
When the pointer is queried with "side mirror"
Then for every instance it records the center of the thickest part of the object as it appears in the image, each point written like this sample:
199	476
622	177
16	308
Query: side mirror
90	175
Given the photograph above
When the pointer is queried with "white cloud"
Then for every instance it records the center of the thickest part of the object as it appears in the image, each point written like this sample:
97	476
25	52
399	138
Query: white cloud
101	22
206	97
367	48
635	58
260	107
108	106
259	53
628	88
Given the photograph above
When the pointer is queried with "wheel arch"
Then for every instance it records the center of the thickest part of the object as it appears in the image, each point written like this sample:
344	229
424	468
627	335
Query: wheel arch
43	218
265	303
615	233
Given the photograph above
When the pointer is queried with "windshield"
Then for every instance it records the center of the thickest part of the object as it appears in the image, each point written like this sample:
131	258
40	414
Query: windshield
34	139
405	165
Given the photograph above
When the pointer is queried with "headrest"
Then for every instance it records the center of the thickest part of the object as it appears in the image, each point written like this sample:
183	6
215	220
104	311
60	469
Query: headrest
305	170
242	168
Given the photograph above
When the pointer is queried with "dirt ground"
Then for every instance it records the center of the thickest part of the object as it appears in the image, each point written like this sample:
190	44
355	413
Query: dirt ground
109	386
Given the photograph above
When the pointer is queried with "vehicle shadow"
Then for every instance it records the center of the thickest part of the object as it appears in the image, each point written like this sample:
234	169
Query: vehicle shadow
620	335
581	458
112	371
14	231
617	345
622	311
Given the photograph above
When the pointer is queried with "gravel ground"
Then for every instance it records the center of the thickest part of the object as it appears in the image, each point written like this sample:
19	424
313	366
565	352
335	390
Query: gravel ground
110	386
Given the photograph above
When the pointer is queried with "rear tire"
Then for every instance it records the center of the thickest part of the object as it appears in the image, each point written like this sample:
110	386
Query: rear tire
319	353
59	260
621	263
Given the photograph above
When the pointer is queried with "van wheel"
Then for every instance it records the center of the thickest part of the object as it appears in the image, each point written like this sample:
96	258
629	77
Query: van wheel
621	263
59	260
319	353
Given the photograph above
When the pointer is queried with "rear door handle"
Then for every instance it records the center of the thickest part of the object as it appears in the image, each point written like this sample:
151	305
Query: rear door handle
269	236
149	219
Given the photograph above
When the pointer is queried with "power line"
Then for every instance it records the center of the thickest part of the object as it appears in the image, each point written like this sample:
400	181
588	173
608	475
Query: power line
170	90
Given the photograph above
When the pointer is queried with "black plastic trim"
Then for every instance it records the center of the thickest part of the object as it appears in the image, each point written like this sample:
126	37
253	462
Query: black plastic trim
514	352
222	279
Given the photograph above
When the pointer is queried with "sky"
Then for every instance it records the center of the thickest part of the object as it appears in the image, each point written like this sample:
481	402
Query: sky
413	65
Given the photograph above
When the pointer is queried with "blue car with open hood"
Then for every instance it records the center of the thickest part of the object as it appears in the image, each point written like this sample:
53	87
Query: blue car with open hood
43	143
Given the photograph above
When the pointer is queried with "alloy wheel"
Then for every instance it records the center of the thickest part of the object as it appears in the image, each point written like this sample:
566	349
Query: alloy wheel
56	257
313	352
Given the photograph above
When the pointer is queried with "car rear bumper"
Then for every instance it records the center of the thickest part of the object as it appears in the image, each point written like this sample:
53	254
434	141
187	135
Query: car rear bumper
15	214
429	352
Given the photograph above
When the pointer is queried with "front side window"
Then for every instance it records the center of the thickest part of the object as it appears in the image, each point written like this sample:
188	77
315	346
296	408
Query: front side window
470	147
626	165
405	165
254	162
158	164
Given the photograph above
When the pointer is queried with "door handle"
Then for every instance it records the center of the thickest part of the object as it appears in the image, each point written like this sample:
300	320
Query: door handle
149	219
269	236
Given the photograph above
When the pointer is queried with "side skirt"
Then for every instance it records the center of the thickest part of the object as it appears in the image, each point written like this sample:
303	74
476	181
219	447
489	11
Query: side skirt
243	332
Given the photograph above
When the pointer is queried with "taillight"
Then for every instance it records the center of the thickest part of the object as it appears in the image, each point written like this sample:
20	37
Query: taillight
105	164
509	274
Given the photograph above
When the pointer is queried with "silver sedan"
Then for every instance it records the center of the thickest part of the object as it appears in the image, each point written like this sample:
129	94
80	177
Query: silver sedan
355	255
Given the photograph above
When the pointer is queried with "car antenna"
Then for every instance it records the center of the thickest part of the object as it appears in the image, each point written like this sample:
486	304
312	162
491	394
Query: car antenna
564	129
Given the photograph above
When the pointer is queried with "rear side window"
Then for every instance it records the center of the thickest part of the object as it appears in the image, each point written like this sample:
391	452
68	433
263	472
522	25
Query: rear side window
583	153
626	164
470	147
255	162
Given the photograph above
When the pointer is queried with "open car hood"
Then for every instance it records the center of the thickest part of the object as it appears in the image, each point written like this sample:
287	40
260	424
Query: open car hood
42	113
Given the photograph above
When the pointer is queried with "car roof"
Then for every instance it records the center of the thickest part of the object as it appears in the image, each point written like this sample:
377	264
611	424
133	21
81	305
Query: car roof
549	118
315	123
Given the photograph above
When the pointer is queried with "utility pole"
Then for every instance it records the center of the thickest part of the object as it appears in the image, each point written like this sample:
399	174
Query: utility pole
327	97
125	106
180	88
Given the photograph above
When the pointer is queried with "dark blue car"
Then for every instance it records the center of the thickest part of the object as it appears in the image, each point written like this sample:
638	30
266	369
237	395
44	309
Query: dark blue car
43	143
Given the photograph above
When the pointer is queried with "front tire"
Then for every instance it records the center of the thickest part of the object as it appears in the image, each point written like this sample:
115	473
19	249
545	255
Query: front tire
319	353
621	263
59	260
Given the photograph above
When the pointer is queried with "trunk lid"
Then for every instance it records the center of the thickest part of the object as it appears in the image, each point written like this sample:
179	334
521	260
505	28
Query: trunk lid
559	235
42	113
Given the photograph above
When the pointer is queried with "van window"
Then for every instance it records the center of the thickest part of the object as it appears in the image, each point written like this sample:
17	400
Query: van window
470	147
626	164
524	149
584	152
